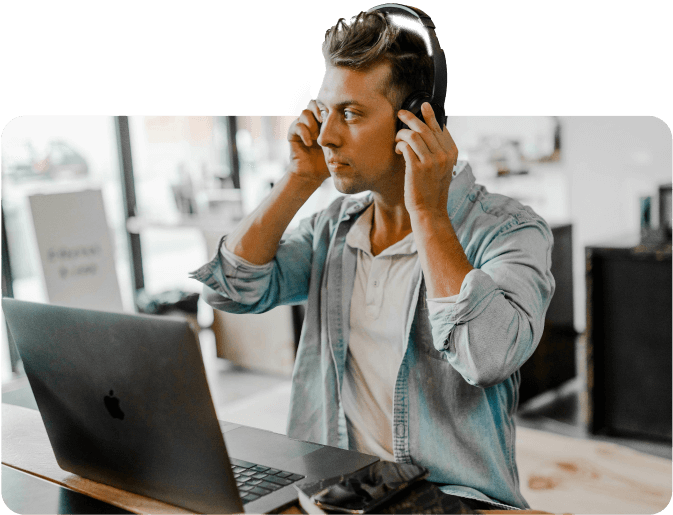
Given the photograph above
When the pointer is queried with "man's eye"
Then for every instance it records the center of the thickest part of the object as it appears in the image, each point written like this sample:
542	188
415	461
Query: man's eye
349	115
323	115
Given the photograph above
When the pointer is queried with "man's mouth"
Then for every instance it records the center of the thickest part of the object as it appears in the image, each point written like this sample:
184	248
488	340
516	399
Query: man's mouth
336	162
336	167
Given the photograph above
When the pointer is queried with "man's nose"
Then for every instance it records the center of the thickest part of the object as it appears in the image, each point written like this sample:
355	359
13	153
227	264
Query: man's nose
329	133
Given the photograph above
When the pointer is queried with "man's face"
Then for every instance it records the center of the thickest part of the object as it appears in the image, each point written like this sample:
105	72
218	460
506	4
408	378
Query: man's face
358	129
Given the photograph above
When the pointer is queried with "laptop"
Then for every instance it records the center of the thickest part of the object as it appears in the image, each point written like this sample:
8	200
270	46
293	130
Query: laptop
125	402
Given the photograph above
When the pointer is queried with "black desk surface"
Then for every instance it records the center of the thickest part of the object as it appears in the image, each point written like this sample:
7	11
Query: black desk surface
25	493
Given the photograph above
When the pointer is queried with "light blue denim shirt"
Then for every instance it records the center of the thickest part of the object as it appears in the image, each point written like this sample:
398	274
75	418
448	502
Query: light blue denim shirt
457	386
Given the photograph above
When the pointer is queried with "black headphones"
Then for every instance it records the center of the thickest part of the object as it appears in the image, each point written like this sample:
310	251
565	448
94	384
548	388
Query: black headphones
407	18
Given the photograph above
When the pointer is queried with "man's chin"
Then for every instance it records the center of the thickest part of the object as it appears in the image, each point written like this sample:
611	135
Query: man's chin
347	186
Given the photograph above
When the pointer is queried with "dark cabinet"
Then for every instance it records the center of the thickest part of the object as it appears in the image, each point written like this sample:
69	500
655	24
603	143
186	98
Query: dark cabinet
628	347
553	362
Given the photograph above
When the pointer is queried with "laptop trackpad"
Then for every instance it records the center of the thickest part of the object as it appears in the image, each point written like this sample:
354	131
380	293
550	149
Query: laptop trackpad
265	447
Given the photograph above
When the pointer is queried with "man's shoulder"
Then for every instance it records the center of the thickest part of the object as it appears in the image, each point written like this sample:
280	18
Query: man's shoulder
471	202
502	206
500	212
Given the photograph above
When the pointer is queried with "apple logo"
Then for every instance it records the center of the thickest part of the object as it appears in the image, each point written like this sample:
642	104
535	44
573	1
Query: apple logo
112	405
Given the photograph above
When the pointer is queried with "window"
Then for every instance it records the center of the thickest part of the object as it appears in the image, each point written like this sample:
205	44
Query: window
184	192
56	154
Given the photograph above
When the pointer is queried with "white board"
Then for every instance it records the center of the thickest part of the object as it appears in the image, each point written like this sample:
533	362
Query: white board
76	251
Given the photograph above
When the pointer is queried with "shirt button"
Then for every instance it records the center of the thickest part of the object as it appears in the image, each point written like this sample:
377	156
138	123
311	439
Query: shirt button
399	429
376	283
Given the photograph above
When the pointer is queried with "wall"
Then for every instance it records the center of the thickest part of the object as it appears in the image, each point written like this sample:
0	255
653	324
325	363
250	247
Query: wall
610	162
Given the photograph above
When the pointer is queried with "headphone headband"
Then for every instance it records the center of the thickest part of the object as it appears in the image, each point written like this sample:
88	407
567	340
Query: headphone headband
405	10
408	18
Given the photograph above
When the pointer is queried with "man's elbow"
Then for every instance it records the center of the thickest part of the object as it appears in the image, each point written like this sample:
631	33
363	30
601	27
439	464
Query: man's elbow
214	299
481	371
485	378
494	357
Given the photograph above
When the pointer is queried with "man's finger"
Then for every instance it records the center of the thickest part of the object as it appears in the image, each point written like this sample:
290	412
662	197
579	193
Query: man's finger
313	107
405	149
412	121
430	118
418	127
306	135
307	117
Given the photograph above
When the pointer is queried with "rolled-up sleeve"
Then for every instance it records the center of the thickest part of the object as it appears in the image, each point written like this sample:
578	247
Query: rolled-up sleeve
233	284
230	280
497	318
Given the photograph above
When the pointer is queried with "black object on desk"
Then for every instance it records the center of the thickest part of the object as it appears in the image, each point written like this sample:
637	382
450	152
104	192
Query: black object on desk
421	497
628	357
366	489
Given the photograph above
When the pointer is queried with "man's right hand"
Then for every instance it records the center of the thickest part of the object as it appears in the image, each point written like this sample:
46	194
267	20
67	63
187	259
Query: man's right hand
306	156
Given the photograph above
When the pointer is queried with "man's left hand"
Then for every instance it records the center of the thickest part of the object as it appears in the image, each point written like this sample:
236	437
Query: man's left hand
430	155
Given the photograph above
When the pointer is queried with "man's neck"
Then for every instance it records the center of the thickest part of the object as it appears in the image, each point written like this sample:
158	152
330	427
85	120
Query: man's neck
390	222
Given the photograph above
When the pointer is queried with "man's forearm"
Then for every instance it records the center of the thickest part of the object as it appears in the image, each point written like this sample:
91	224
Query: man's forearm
257	237
443	259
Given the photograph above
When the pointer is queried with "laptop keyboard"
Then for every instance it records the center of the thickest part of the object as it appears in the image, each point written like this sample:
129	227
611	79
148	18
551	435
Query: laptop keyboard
254	481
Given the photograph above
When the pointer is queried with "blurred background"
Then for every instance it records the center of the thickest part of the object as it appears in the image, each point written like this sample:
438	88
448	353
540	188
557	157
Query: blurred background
170	186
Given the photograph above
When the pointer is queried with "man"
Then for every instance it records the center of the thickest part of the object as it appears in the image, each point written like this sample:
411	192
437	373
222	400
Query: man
423	298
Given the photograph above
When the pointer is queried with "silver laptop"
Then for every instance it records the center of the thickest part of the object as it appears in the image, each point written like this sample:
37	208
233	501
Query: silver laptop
125	401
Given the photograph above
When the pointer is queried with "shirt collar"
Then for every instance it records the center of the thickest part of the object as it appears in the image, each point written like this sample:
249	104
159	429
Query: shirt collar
358	234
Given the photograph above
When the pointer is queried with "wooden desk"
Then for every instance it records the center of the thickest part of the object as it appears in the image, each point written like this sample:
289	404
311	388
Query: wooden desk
26	493
36	484
557	473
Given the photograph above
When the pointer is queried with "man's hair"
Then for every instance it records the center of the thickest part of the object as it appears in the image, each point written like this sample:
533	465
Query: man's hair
370	40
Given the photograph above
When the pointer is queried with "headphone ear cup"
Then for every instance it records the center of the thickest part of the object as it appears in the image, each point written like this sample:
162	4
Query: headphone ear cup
413	104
